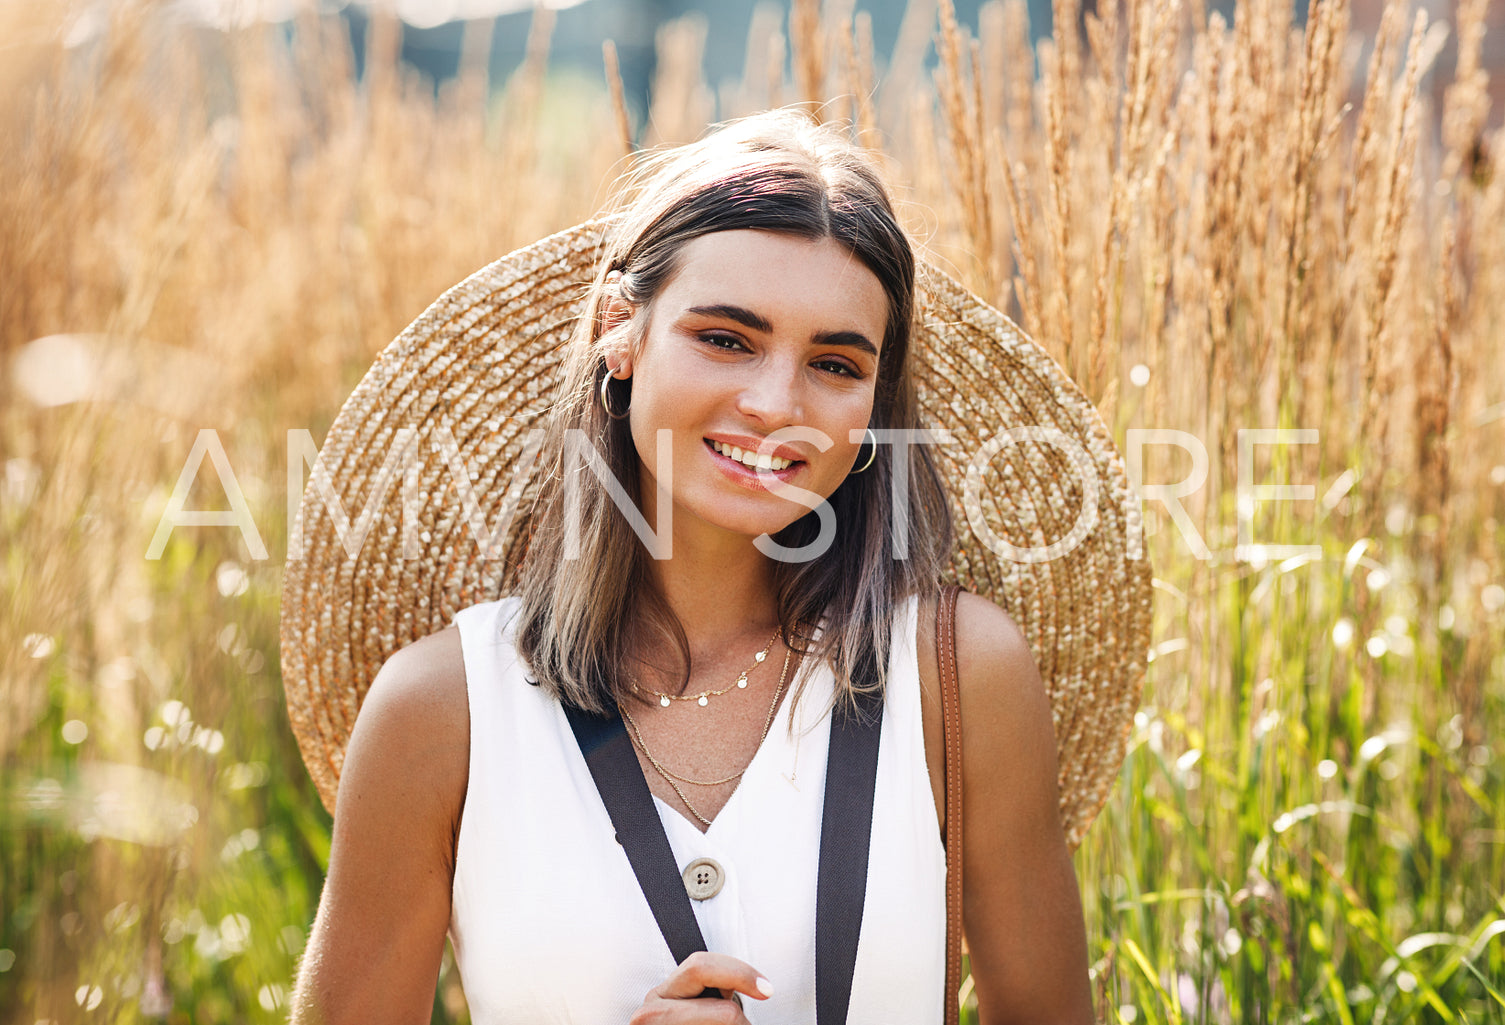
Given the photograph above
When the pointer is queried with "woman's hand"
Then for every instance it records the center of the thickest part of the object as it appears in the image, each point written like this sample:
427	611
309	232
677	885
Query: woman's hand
676	1001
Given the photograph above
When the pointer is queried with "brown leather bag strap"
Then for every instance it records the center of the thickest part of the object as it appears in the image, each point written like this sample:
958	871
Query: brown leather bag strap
945	646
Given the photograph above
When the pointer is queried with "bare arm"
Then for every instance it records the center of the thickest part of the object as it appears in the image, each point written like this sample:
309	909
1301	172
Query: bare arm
1021	909
374	953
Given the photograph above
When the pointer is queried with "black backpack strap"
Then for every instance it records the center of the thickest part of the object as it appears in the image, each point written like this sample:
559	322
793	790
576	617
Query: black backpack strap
619	779
846	830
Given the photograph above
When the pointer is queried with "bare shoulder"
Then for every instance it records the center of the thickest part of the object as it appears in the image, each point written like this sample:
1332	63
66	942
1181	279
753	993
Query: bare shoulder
1004	706
996	669
411	741
424	679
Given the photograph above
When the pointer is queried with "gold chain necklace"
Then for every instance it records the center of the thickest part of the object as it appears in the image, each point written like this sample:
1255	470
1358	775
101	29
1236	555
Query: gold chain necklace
670	777
703	698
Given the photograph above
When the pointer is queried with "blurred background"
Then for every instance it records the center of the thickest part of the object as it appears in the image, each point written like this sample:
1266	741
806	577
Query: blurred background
213	215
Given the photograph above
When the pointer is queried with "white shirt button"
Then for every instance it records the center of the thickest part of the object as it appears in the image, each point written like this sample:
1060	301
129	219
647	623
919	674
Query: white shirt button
703	878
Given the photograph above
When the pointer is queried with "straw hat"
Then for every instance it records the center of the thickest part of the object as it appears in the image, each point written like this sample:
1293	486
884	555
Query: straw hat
479	367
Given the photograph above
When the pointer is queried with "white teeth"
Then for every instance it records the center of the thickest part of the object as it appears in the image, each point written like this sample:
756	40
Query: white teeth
753	460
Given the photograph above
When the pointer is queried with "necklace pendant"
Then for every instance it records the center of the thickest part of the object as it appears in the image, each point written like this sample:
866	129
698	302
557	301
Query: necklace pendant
760	656
742	682
663	699
703	702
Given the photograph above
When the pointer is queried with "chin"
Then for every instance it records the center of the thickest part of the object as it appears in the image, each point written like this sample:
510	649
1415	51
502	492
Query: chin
757	529
753	524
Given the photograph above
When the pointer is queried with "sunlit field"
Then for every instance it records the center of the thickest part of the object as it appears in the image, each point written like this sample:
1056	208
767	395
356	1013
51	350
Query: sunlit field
1273	225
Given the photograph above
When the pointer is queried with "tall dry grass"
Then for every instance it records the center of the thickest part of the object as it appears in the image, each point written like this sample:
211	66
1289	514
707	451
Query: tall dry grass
1213	226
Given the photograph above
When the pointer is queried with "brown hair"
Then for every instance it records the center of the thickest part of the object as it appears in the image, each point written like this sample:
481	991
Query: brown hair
778	171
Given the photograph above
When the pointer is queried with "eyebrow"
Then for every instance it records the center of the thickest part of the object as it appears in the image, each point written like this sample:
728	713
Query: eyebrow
747	318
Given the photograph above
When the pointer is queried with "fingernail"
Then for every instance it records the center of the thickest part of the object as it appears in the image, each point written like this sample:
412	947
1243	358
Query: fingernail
765	987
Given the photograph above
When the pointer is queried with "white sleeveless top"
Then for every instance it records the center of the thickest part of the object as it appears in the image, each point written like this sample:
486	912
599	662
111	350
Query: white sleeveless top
549	924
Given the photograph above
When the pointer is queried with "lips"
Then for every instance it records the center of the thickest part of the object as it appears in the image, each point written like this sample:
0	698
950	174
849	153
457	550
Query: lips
731	460
752	458
754	443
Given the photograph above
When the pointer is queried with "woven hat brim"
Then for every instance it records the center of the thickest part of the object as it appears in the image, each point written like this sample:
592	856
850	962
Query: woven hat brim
465	383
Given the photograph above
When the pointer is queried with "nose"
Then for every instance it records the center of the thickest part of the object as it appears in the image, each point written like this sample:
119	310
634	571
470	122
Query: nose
773	395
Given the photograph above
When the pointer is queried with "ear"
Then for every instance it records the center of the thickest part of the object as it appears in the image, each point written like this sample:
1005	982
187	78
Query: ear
615	314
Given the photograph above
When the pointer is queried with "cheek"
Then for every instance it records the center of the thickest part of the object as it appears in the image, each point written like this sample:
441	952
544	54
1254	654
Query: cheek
645	440
671	406
856	416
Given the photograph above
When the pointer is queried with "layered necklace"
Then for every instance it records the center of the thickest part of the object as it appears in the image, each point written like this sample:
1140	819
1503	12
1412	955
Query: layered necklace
703	698
668	774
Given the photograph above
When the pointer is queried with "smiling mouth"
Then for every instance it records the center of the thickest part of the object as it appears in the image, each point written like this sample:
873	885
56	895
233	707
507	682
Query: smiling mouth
752	460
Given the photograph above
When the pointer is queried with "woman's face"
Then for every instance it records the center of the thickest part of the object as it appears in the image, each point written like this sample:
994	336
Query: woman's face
755	332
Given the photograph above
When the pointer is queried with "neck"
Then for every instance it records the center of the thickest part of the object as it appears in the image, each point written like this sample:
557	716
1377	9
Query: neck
720	591
719	586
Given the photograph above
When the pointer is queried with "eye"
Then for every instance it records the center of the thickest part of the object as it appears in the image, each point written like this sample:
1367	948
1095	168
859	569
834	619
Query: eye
729	343
838	367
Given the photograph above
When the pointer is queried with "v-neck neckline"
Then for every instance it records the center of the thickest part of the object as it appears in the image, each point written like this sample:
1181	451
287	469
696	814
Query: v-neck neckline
780	722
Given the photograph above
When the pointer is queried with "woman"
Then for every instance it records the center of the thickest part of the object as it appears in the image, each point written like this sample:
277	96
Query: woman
755	298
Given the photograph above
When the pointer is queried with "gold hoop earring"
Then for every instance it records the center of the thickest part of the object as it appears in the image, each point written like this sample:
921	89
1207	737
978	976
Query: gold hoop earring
869	439
606	399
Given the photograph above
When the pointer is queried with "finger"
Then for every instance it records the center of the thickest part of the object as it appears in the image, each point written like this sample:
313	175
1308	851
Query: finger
690	1012
705	970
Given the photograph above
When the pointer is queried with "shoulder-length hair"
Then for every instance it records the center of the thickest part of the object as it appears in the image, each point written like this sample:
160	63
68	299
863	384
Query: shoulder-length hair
781	172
